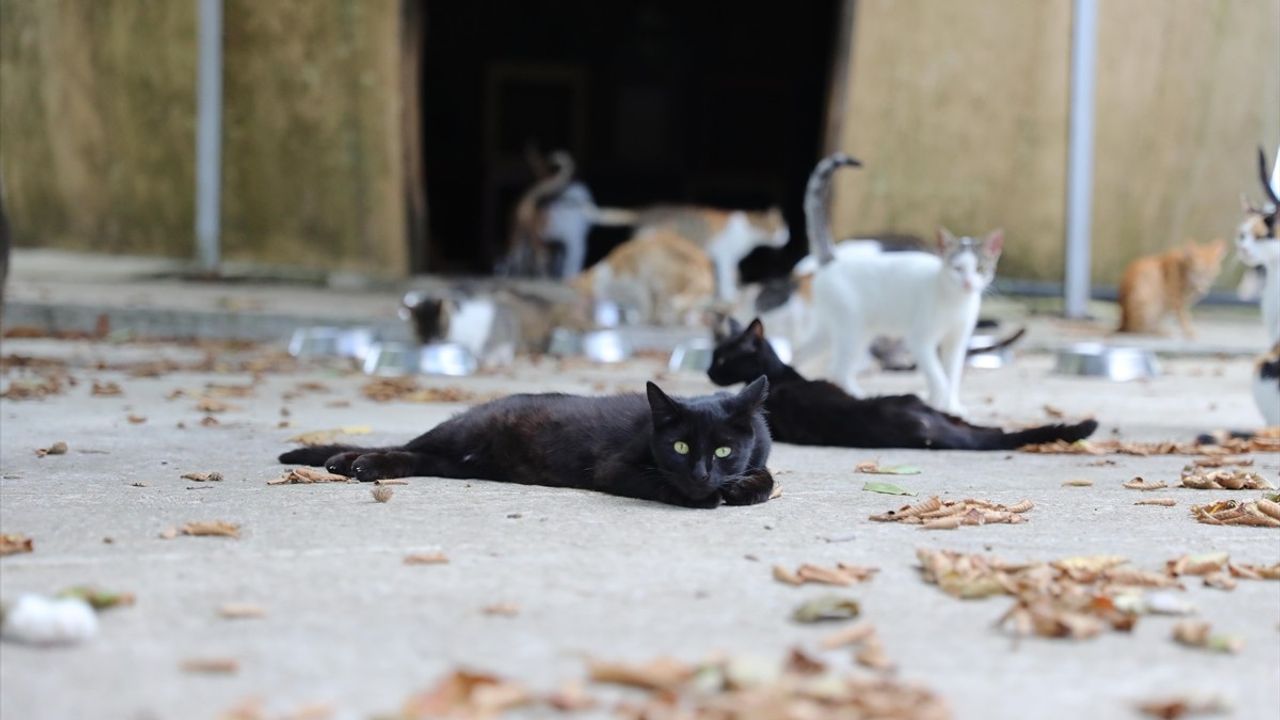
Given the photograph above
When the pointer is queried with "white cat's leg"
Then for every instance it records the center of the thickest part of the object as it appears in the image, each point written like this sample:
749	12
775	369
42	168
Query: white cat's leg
575	253
844	349
953	354
926	354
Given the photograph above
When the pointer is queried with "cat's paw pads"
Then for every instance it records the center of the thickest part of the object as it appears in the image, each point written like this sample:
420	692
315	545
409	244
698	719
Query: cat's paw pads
340	464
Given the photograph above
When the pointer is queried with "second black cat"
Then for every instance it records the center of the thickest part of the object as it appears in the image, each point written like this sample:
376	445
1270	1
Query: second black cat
816	412
695	452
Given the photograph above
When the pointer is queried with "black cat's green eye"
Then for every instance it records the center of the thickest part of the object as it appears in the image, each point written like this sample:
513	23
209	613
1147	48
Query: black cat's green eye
681	447
723	452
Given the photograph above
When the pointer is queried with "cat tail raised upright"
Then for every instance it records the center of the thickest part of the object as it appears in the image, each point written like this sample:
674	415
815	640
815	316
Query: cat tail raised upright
817	205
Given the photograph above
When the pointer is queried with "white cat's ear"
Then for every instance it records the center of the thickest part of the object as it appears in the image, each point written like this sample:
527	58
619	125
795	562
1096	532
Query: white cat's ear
1245	205
752	396
661	406
756	328
945	238
995	242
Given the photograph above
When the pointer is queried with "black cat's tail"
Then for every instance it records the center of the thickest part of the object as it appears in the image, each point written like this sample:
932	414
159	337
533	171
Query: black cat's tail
1043	434
316	455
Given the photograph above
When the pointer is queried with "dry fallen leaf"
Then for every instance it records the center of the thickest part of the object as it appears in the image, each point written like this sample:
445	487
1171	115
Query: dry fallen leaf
427	558
407	389
825	608
213	405
391	481
217	666
1165	502
501	609
657	674
240	611
307	476
1053	411
1260	442
1139	484
851	635
135	419
105	389
872	467
58	448
937	514
571	697
211	528
1201	564
1197	633
99	599
1172	708
382	493
1077	482
841	574
203	476
11	544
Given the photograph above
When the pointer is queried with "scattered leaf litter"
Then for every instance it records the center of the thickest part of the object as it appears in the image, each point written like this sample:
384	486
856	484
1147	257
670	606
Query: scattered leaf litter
1077	482
1256	513
204	528
241	611
98	598
1233	479
841	574
886	488
203	476
1181	706
407	389
1261	442
503	609
307	476
938	514
1165	502
105	389
211	666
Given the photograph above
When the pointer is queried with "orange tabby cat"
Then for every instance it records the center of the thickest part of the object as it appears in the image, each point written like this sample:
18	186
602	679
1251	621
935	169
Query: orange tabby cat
658	275
1156	285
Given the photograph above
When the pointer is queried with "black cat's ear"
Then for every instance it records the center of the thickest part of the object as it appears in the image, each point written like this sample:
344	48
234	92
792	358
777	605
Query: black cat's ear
756	328
661	406
751	397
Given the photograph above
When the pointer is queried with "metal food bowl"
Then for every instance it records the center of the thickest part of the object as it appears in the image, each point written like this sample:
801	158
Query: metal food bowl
692	355
1119	364
988	360
607	346
325	341
391	358
447	359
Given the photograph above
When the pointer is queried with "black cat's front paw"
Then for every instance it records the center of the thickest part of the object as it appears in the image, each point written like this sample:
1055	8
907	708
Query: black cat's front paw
752	488
378	466
340	464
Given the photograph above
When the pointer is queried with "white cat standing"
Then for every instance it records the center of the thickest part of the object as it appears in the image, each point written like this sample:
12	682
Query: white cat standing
1257	245
931	301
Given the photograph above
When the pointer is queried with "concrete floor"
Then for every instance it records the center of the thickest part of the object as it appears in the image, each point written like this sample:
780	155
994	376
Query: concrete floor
348	624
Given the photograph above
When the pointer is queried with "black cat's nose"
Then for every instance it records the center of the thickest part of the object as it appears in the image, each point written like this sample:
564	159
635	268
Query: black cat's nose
700	474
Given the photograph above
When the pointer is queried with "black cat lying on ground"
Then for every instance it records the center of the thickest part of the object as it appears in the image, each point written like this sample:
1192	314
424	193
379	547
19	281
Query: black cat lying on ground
816	412
694	452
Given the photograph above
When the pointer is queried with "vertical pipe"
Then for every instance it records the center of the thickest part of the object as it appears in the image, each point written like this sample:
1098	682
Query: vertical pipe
209	135
1084	46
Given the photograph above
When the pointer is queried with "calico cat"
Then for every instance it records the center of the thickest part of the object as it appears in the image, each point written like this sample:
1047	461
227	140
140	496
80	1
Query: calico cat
726	236
656	277
1171	282
1257	246
932	301
492	325
694	452
816	412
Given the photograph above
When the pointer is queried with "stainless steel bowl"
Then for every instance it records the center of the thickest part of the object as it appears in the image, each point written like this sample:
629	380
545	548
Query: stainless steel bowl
988	360
447	359
1119	364
692	355
391	358
607	346
326	341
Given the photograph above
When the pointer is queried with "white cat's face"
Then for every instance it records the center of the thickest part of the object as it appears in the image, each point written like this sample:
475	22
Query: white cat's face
970	263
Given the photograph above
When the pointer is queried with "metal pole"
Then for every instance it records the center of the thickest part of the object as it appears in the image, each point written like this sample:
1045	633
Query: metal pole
209	135
1084	46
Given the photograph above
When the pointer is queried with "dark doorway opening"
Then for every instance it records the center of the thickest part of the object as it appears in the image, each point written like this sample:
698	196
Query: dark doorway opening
657	100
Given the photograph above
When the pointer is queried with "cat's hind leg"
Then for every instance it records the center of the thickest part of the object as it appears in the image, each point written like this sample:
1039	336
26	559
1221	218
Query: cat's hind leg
847	353
926	354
